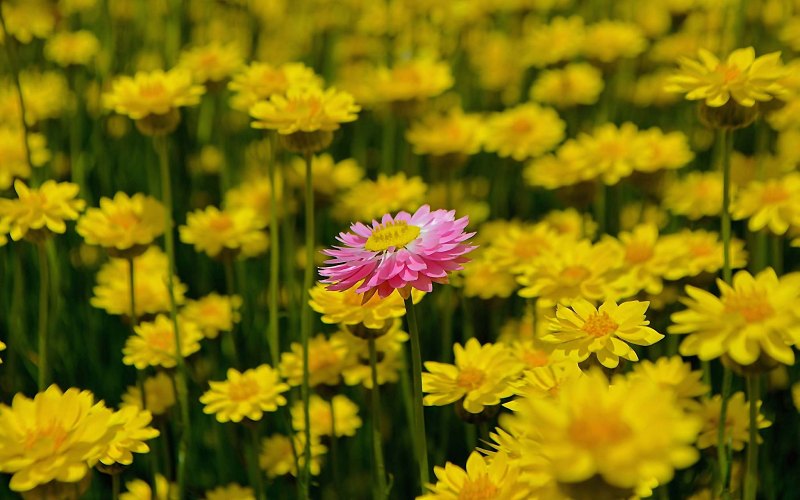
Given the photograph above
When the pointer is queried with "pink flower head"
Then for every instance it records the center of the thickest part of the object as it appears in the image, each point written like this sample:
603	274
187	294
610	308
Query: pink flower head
400	253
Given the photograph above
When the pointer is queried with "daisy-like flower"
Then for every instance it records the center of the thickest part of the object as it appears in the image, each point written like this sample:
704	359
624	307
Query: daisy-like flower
38	212
133	429
398	253
495	478
752	317
574	84
125	225
153	343
485	279
674	375
259	81
159	394
662	151
348	308
774	204
13	159
482	375
245	394
696	252
328	177
741	76
451	133
559	40
697	195
412	80
56	436
46	95
525	131
645	260
278	452
519	246
326	359
386	194
388	347
77	48
232	491
582	330
213	313
255	194
212	63
737	422
228	232
608	41
346	423
610	152
140	490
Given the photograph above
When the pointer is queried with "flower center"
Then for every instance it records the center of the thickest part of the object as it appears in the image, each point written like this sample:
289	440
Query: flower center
322	360
162	340
243	390
753	306
152	90
395	234
774	194
125	220
600	325
45	440
470	378
535	358
478	489
638	252
574	275
521	126
729	73
612	150
221	223
599	430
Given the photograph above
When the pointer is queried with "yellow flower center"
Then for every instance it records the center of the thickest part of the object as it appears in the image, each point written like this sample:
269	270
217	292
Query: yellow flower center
481	488
535	358
612	150
46	439
221	223
774	194
599	325
728	73
162	340
321	360
702	249
753	306
470	378
638	252
600	430
521	126
243	390
396	234
574	275
152	90
124	220
307	107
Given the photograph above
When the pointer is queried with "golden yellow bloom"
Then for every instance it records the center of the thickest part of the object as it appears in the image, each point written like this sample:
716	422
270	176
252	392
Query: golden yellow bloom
796	395
609	152
517	247
645	261
304	109
485	279
697	195
28	19
388	347
450	133
77	48
659	151
574	84
582	330
388	194
346	307
153	343
752	315
13	159
259	81
233	232
123	223
255	194
152	93
38	211
522	132
211	63
741	76
140	490
696	252
648	90
773	204
326	359
547	44
345	411
415	79
245	394
482	375
46	95
2	348
608	41
159	394
482	479
133	429
53	437
675	375
277	456
232	491
737	422
213	313
328	178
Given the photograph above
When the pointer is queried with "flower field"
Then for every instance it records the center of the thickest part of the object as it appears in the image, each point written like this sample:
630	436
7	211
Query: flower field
399	249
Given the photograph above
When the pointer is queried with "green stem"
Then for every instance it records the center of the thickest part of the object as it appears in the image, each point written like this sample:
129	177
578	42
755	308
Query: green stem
388	146
306	321
378	466
722	438
751	476
273	340
161	146
725	146
229	340
256	477
115	486
419	415
337	477
44	295
600	206
10	45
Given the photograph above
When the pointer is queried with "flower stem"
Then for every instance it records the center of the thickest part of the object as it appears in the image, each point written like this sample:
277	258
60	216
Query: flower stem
722	438
161	147
751	475
306	322
10	44
273	341
337	477
229	340
378	466
115	486
44	295
419	415
256	477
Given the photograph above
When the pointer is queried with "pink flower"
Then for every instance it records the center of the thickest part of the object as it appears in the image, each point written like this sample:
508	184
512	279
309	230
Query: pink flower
400	253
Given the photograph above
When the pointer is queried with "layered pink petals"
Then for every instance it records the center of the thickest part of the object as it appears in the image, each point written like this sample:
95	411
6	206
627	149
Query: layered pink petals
438	250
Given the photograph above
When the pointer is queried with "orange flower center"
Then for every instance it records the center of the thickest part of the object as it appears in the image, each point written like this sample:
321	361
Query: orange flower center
638	252
535	358
774	194
46	439
612	150
322	360
521	126
599	325
599	431
152	90
753	306
395	234
124	220
574	275
470	378
162	340
221	223
728	73
481	488
305	108
243	390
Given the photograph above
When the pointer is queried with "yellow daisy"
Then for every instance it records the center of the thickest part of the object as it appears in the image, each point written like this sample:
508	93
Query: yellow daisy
133	429
450	133
388	347
77	48
496	478
675	375
415	79
37	212
573	85
696	252
221	233
304	109
125	225
13	158
737	422
326	359
159	394
697	195
348	307
211	63
772	204
213	313
346	422
245	394
607	41
281	455
232	491
388	194
523	132
153	343
328	177
259	81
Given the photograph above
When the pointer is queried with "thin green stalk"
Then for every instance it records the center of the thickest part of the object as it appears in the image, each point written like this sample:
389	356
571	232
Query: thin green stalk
256	477
44	295
10	44
181	389
378	465
751	475
600	205
115	486
722	438
725	145
388	146
229	340
273	340
337	476
306	321
419	416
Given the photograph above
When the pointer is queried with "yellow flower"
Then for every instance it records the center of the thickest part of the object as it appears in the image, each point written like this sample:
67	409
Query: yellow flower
2	348
608	41
697	195
326	359
773	204
660	151
13	159
524	131
388	194
754	314
415	79
77	48
259	81
255	194
278	454
609	152
696	252
496	478
245	394
741	76
328	178
388	348
152	93
232	231
46	95
450	133
574	84
140	490
232	491
347	307
133	429
547	44
346	412
482	375
159	394
123	223
211	63
737	422
675	375
517	246
485	279
582	330
796	395
304	109
28	19
648	90
37	211
645	261
213	313
53	437
153	343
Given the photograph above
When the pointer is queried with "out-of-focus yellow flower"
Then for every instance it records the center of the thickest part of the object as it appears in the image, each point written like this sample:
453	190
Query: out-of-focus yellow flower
675	375
232	491
645	261
159	394
133	429
278	454
520	246
260	81
522	132
494	60
46	95
608	41
571	223
357	369
737	422
697	195
56	436
2	348
346	423
772	204
481	376
451	133
14	160
347	307
126	225
468	196
304	109
77	48
485	279
574	84
609	152
741	76
547	44
660	151
696	252
226	232
213	313
37	212
245	394
255	194
544	381
212	63
327	176
153	343
752	318
326	359
388	194
140	490
411	80
796	395
496	478
28	19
